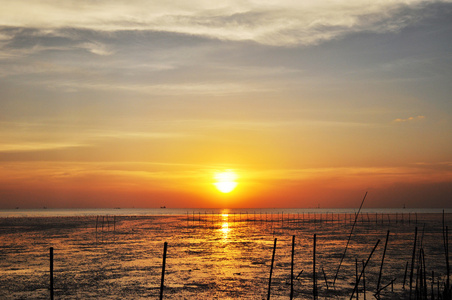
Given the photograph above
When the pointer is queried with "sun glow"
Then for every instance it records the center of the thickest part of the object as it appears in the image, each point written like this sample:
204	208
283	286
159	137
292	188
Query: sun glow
225	181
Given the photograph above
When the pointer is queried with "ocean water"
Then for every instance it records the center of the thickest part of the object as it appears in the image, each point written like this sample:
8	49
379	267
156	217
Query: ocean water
218	254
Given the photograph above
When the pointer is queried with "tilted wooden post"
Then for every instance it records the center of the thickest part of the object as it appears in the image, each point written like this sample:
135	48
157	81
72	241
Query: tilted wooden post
165	245
51	273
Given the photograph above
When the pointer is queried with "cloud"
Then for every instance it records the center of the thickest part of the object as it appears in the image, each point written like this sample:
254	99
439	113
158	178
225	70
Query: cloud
410	119
269	22
96	48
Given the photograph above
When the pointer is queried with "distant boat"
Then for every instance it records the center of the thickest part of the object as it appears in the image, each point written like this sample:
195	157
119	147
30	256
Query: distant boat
162	206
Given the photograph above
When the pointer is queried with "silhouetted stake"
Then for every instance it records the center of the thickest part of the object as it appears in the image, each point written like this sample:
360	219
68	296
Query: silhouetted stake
412	260
356	278
299	274
438	293
378	291
314	279
348	241
446	252
165	245
291	267
433	282
447	263
424	272
324	276
364	282
404	277
382	261
364	267
51	273
271	271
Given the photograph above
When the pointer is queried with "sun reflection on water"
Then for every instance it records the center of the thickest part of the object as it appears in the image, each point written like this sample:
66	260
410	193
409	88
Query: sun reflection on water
225	225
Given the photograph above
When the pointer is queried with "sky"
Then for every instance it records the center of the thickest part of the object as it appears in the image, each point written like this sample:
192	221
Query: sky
310	103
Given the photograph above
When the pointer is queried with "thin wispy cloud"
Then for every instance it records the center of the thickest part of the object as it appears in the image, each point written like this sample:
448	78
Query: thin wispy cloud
268	22
409	119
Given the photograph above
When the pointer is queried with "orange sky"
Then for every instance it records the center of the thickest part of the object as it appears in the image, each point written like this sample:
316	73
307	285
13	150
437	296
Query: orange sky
114	105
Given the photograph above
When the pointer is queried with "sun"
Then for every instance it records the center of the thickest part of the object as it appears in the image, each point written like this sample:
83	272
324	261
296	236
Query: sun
225	181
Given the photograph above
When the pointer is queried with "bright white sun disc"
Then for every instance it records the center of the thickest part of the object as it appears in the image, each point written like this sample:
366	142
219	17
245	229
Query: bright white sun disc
225	181
225	187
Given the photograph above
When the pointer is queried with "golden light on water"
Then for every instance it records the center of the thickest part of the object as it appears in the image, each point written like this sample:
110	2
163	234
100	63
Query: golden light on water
225	228
225	224
225	181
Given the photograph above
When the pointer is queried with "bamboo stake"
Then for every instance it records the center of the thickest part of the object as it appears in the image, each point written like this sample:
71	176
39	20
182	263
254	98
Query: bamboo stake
364	282
165	245
382	261
404	277
324	276
51	273
412	260
271	270
447	263
368	259
424	272
348	241
291	267
356	277
390	283
446	252
314	283
433	282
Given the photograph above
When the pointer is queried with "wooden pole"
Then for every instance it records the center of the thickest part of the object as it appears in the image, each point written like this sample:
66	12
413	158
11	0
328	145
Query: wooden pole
382	261
404	277
291	267
356	278
368	259
412	260
271	270
447	264
433	282
446	252
314	280
364	282
51	273
378	291
348	241
165	246
324	277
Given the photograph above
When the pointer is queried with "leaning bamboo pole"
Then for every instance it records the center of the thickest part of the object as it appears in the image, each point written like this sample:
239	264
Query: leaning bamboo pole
382	261
359	278
271	270
348	241
412	260
291	267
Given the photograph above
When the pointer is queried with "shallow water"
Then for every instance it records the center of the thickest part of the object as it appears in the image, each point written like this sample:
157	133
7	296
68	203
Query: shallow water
213	256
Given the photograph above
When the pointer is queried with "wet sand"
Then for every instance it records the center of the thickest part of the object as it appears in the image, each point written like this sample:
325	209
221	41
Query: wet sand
210	256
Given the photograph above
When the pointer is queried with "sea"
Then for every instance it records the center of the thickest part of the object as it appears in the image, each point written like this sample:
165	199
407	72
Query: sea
251	253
